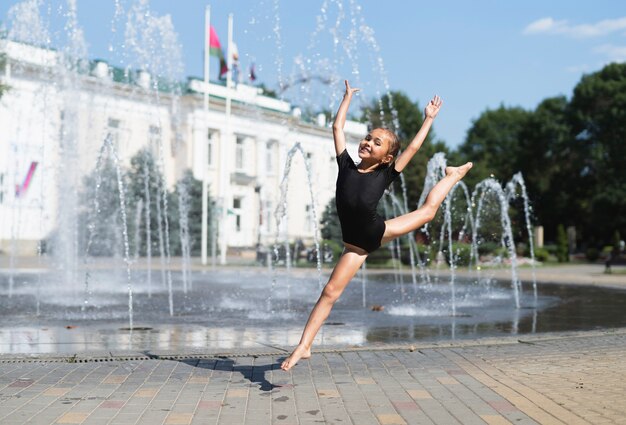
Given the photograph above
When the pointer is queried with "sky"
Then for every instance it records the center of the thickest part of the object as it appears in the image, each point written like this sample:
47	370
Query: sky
476	55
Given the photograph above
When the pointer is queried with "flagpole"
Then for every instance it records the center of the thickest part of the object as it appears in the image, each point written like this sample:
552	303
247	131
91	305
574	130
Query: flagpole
228	138
205	189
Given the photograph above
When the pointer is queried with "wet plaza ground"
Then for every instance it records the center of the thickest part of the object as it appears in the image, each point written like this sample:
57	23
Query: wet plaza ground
555	377
248	307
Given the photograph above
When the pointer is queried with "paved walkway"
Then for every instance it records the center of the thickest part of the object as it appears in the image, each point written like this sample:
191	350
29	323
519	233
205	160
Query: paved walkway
578	378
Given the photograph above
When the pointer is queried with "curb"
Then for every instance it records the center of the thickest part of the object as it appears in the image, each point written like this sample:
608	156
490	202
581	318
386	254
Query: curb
123	356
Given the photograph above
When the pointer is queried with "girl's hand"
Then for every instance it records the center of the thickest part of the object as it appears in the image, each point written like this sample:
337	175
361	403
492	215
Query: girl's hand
349	90
432	109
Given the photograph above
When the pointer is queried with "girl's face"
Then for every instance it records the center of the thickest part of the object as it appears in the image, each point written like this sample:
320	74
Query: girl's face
375	147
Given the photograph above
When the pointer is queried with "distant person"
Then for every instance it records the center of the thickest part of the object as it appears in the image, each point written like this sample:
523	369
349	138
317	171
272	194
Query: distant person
359	189
607	264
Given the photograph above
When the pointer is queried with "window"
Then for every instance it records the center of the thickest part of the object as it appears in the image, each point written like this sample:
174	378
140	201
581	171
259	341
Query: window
212	139
1	188
269	157
267	212
308	210
237	203
154	140
239	159
62	127
114	127
113	123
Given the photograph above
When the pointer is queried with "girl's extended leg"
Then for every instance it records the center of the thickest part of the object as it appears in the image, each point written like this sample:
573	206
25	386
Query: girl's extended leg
406	223
347	266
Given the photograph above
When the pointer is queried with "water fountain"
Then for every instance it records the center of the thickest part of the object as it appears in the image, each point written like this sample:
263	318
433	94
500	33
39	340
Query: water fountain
74	300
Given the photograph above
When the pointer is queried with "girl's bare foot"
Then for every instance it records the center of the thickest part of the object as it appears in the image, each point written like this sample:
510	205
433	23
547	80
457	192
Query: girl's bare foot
300	352
459	172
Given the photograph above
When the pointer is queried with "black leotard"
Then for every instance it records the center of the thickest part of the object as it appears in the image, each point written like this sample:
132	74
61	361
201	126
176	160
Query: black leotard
357	197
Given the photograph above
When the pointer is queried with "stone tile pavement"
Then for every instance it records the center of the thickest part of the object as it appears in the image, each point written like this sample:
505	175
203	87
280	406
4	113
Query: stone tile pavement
576	378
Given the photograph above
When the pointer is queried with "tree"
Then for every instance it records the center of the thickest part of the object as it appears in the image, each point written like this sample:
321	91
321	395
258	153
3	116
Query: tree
145	191
409	118
100	221
546	159
562	247
330	226
499	146
188	197
3	61
493	143
598	117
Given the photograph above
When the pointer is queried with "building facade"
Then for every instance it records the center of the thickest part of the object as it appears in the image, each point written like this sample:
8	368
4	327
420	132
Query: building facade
255	153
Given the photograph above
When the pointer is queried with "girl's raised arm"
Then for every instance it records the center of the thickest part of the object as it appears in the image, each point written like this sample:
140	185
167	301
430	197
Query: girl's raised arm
430	112
340	119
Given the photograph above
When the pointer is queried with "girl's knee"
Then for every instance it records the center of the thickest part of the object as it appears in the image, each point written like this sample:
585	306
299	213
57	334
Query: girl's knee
331	293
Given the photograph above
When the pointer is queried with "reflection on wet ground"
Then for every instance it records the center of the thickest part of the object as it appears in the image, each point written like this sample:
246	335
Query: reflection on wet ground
240	309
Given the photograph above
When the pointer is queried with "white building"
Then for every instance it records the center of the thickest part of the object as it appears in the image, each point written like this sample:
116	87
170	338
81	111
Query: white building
54	122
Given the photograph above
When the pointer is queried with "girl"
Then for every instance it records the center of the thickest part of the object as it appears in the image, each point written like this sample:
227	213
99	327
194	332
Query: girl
359	189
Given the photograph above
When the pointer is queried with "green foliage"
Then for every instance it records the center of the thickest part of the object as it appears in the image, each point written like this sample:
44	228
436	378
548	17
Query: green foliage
546	162
461	253
562	252
145	191
598	114
381	256
3	87
267	91
616	243
106	224
542	254
335	246
493	143
329	223
592	254
188	192
571	153
607	249
488	247
100	222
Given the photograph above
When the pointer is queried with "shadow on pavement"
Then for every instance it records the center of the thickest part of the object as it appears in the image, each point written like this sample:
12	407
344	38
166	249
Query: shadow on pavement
254	373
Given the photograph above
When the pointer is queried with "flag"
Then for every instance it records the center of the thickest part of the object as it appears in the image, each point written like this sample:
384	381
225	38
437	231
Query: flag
234	54
252	73
21	189
215	49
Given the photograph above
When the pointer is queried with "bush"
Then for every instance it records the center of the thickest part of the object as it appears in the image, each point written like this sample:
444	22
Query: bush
617	242
551	248
424	252
335	246
381	256
485	248
502	251
592	254
562	250
461	253
541	254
